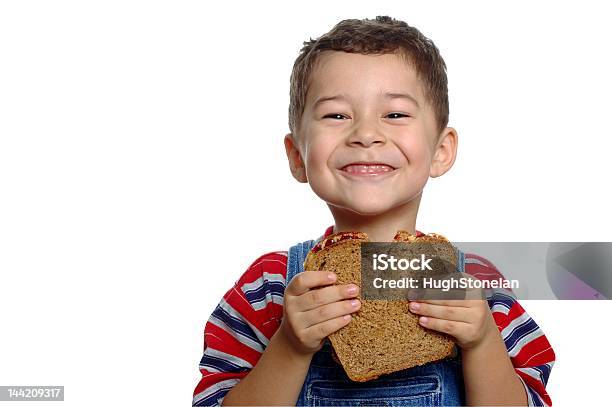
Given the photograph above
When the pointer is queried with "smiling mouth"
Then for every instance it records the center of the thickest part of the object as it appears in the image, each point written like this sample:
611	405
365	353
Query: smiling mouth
367	169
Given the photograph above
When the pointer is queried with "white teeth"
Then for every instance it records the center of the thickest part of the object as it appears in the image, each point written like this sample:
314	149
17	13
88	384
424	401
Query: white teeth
367	169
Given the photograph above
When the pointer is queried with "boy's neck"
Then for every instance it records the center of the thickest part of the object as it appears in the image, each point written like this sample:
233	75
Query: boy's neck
381	227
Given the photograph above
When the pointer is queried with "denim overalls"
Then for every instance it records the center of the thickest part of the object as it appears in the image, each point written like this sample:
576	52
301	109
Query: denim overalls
326	384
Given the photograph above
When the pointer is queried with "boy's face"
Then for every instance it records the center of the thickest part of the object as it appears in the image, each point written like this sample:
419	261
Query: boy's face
365	124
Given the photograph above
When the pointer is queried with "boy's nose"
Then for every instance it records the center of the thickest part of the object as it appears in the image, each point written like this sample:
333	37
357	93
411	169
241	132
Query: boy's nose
366	135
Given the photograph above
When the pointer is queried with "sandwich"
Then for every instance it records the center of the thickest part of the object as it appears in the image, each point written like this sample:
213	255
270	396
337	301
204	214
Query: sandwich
384	335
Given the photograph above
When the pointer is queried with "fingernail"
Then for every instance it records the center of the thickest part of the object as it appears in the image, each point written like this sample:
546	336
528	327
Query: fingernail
331	276
423	320
352	289
354	303
415	306
347	317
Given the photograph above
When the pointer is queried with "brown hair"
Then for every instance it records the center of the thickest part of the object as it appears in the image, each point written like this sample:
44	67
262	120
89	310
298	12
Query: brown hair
383	35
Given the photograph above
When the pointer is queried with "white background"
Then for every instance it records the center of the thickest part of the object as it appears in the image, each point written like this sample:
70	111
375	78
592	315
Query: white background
142	169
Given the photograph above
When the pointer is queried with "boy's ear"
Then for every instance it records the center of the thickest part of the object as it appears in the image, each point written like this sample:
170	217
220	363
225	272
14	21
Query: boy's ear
296	164
445	152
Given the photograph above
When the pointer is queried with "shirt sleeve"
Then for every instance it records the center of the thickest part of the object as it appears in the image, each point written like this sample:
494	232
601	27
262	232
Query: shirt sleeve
528	348
240	327
530	352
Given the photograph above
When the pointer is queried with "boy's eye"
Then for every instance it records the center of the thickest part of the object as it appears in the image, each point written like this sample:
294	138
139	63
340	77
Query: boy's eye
333	116
397	115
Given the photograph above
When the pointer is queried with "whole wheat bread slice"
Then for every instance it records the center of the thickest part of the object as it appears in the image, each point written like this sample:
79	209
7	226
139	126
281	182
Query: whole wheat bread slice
384	335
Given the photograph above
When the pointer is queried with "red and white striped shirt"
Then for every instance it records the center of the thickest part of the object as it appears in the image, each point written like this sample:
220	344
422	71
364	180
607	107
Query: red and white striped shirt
240	327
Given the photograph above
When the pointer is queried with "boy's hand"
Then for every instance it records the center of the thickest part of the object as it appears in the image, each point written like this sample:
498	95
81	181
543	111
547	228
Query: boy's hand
470	322
314	308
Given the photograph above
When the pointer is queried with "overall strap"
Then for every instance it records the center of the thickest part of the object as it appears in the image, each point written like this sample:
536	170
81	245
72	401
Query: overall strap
460	260
295	259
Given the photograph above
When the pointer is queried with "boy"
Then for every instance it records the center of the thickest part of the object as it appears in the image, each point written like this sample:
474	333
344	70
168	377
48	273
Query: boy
368	116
